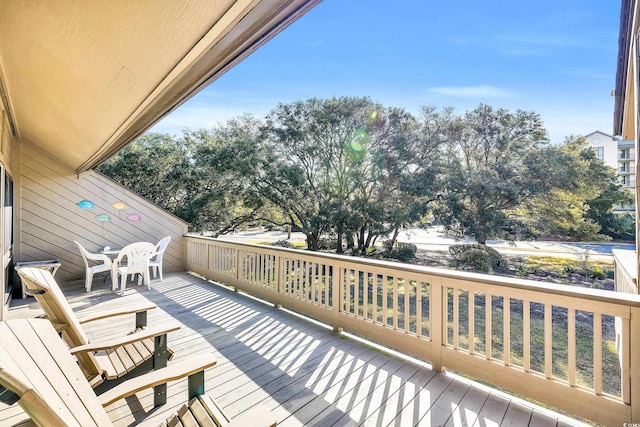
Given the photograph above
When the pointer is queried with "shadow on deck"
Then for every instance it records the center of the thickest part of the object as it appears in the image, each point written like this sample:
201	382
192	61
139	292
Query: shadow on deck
306	373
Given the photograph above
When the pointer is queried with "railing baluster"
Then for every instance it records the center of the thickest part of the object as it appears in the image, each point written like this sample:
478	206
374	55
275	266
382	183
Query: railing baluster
548	341
571	344
254	267
395	302
374	296
506	328
296	277
419	285
306	284
597	353
260	268
315	276
456	314
472	321
385	301
488	327
310	278
407	304
365	294
526	335
356	299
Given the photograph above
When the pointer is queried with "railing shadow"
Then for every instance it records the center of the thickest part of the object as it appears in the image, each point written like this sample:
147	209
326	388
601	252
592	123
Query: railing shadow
308	374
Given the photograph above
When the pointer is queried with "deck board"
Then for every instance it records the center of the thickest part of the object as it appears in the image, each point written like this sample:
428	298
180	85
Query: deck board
306	373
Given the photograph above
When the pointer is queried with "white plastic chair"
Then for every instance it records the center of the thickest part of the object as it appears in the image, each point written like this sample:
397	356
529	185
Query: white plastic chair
91	270
156	264
138	255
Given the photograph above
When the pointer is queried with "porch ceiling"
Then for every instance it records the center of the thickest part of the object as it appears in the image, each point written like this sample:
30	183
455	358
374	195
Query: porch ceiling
81	80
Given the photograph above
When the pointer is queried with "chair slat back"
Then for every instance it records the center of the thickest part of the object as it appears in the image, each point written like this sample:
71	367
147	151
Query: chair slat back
48	294
36	365
138	255
161	247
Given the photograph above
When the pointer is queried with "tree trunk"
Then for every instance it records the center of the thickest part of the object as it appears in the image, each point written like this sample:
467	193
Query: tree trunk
394	239
350	242
312	241
361	247
367	243
339	249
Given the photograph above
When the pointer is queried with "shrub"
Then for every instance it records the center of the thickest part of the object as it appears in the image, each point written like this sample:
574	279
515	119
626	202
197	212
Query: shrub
387	245
404	252
598	273
327	243
283	244
477	257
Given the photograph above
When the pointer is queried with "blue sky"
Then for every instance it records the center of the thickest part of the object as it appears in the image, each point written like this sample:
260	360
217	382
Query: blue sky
557	58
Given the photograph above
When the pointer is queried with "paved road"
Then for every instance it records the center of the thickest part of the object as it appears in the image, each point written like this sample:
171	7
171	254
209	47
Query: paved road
434	238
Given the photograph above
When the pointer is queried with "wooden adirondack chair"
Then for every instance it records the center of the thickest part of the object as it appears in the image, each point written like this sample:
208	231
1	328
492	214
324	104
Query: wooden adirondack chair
106	362
40	374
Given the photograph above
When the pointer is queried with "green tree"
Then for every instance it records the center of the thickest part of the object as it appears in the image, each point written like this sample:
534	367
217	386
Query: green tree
342	166
155	166
315	157
580	206
203	177
496	161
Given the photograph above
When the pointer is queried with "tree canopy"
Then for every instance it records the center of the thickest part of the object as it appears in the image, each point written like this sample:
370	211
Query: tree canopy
356	171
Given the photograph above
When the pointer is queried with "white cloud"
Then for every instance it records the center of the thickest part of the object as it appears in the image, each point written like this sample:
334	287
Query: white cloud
482	91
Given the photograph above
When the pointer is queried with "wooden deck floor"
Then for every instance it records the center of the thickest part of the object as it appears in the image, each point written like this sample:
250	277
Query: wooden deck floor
304	372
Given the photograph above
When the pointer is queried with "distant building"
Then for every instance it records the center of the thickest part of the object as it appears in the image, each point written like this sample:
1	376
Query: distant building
620	155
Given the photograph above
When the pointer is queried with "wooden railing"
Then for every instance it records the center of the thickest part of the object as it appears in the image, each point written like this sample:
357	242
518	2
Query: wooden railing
626	271
552	343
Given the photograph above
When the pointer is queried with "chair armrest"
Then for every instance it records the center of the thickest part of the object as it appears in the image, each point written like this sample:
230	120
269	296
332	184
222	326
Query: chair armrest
175	371
127	339
99	257
106	311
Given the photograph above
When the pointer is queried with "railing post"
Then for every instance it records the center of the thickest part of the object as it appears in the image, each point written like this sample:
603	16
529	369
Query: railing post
336	295
436	314
634	365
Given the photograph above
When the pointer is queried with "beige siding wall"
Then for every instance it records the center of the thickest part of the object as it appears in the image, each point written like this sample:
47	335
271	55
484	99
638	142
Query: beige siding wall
50	220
